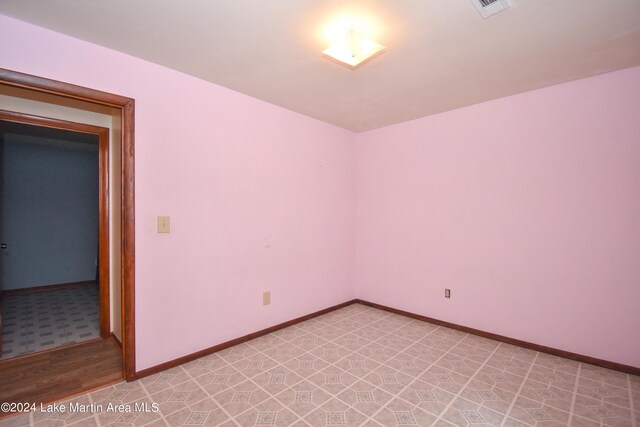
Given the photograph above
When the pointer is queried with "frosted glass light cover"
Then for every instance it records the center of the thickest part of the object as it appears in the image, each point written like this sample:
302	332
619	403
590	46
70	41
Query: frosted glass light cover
353	48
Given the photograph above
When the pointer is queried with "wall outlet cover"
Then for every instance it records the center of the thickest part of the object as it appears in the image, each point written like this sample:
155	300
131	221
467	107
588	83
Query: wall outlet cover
164	224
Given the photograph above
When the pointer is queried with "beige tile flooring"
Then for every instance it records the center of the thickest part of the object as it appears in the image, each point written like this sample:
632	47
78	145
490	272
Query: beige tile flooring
363	366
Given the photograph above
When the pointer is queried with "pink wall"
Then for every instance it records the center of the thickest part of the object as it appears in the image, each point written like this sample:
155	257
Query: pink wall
527	207
260	198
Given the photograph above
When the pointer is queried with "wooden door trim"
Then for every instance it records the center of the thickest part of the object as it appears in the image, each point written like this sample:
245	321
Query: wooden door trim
127	108
103	198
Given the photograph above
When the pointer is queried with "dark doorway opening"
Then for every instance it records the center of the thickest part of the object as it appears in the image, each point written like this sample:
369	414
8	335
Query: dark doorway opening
54	269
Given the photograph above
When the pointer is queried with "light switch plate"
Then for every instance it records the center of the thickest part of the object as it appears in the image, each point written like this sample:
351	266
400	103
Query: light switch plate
266	298
164	224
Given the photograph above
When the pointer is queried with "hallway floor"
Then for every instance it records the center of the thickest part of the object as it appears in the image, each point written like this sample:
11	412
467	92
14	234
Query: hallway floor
42	320
49	376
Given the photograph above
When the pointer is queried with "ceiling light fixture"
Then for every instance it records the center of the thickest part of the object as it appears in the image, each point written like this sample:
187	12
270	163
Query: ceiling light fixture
353	48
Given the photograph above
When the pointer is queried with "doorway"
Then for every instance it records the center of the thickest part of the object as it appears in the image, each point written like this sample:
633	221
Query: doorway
125	172
54	223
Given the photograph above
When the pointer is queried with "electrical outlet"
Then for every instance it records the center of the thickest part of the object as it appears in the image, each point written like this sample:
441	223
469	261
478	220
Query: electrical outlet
164	224
447	293
266	298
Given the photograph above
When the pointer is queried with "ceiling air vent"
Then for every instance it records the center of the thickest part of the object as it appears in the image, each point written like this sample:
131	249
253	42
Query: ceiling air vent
491	7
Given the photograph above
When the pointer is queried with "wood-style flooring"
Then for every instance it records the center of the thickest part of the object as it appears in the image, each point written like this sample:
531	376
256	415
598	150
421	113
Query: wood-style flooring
56	374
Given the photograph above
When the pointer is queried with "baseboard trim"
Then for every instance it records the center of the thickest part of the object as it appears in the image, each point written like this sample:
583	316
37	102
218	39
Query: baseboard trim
47	287
525	344
531	346
117	342
207	351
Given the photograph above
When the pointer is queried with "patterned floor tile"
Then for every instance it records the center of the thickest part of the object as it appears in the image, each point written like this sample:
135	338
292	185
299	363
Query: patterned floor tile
277	380
400	413
371	423
500	379
427	397
220	380
365	398
254	365
534	412
165	379
546	394
204	365
333	379
557	364
459	364
357	365
607	414
364	367
469	352
121	393
303	398
289	334
284	352
554	377
602	375
93	422
308	342
519	353
329	333
330	352
178	397
578	421
335	413
389	379
486	395
69	417
369	333
352	342
509	364
464	412
347	324
269	413
240	351
394	342
137	413
205	413
307	365
604	393
480	342
42	320
237	399
424	352
377	352
445	379
408	364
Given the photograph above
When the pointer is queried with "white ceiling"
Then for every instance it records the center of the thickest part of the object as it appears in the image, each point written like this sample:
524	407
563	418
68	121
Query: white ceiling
440	54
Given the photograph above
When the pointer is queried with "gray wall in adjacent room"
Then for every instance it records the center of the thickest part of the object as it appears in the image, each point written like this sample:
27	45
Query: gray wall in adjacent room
50	210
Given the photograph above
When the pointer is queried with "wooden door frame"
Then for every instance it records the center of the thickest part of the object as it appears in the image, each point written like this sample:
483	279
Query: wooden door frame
103	199
127	109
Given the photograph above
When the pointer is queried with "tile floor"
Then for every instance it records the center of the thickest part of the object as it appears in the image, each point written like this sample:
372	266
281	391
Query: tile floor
36	321
359	366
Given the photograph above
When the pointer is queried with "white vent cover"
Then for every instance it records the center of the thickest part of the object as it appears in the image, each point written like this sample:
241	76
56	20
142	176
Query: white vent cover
491	7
